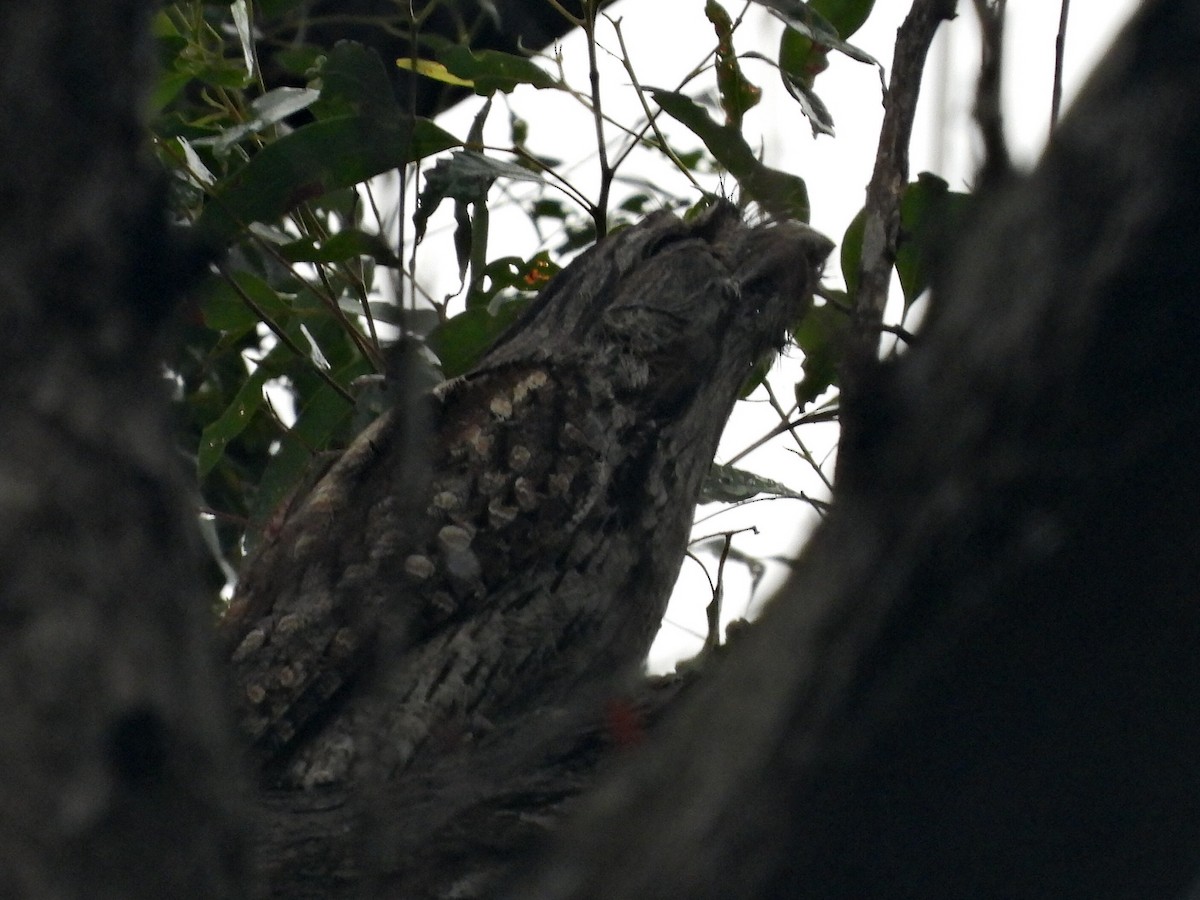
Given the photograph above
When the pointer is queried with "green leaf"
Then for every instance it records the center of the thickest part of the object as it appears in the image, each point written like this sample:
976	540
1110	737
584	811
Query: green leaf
319	422
466	177
466	174
491	70
846	16
311	161
780	193
354	82
224	309
269	109
813	29
514	273
467	238
168	86
807	19
237	416
821	336
729	484
162	28
758	374
222	73
344	245
800	60
549	208
851	255
738	94
298	59
812	106
241	21
929	213
460	342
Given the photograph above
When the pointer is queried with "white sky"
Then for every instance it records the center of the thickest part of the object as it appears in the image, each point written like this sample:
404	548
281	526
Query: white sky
665	39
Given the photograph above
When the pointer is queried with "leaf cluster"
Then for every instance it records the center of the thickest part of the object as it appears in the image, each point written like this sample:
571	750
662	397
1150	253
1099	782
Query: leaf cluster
287	155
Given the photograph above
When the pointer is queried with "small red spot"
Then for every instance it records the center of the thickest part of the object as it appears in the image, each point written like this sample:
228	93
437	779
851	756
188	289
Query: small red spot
624	723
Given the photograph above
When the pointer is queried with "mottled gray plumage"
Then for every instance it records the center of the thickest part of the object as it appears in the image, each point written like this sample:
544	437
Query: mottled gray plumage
562	471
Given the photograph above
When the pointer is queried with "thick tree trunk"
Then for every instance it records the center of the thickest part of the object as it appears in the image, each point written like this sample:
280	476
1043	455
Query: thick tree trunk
983	681
115	748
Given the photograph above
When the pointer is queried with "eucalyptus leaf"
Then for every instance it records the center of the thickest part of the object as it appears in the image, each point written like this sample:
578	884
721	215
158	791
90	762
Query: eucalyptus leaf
729	484
465	177
245	33
821	335
738	94
311	161
491	70
780	193
813	108
460	342
930	213
217	435
354	81
225	309
340	247
269	109
435	70
804	18
324	418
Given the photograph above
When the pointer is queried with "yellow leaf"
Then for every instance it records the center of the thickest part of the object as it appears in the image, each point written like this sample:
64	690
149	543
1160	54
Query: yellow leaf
434	70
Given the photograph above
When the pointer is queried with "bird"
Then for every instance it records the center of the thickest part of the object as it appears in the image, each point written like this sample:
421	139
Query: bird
513	535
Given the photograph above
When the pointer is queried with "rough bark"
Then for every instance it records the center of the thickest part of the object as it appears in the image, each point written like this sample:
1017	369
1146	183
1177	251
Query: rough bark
982	681
116	752
458	824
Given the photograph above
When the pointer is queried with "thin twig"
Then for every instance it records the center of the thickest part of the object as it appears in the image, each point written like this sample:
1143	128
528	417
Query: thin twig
804	451
636	137
748	529
651	118
600	212
1060	44
551	173
988	111
882	220
898	330
264	317
712	613
359	277
881	226
819	506
306	222
823	415
562	11
402	219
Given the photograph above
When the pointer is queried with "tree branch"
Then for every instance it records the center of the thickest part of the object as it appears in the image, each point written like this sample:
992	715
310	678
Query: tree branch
881	227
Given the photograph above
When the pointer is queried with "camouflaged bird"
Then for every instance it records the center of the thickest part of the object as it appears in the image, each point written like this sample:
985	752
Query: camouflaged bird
516	533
